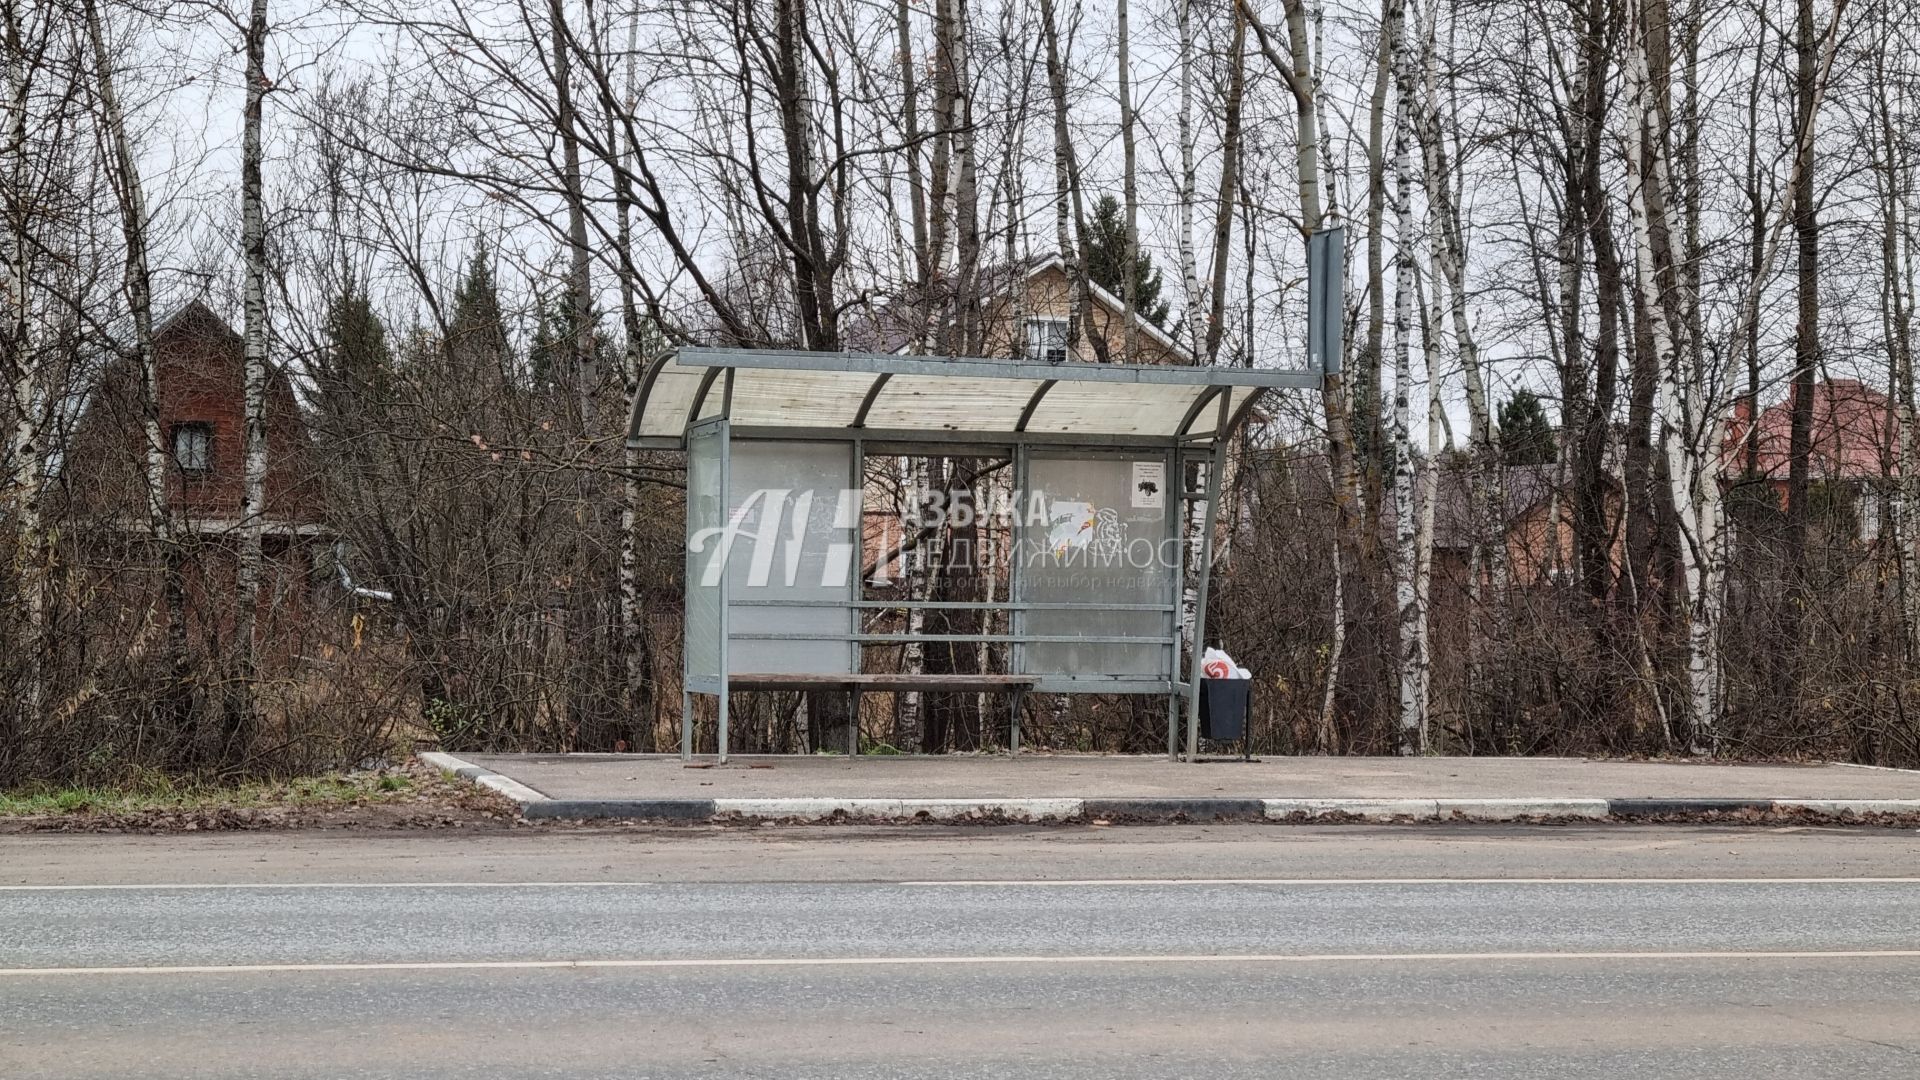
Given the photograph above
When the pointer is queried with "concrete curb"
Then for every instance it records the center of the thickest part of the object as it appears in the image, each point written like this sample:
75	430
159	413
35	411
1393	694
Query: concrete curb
1512	809
619	810
1636	808
537	806
1365	809
1176	809
896	809
486	778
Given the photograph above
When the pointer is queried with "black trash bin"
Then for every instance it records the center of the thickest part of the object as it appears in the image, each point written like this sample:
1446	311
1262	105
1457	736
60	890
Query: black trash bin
1223	708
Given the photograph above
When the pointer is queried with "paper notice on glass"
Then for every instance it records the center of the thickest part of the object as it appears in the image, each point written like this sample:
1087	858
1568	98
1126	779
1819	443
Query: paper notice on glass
1149	485
1070	526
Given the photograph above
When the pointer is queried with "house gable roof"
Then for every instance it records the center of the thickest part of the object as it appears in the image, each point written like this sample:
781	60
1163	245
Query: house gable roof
894	327
1853	434
195	317
1115	306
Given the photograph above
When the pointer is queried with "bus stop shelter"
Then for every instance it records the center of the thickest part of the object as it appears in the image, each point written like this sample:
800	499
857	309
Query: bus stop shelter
1106	460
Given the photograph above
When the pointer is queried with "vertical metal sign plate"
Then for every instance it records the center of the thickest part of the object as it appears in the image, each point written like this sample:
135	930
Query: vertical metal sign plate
1326	299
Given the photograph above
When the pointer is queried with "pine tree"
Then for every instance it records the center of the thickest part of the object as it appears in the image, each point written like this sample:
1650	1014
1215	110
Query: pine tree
550	349
357	360
356	389
1107	256
477	331
1526	435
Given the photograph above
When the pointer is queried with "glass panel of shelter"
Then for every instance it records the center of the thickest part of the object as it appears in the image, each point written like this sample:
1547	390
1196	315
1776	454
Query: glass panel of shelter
1069	571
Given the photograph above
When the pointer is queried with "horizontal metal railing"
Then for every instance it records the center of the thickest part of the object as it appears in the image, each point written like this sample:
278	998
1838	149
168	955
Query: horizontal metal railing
1086	639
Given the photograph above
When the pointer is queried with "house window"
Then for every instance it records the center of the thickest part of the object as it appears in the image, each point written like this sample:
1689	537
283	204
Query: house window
193	449
1047	340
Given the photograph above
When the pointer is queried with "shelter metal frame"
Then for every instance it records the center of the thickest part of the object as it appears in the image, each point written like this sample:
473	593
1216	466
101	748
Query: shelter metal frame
954	407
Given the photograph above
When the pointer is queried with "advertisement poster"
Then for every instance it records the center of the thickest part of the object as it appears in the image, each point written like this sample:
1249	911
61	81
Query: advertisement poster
1149	485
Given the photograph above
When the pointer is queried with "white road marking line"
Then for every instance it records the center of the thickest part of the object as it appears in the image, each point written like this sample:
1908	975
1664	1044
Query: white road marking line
1106	882
179	886
911	961
1004	883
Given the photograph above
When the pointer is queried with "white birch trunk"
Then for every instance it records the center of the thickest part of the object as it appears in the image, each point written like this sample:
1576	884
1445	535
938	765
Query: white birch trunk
1336	647
1189	265
1694	489
1428	498
16	360
1368	403
913	656
1412	726
910	134
1892	177
1130	195
253	494
1487	495
21	382
1297	73
1230	140
1692	421
632	614
1307	128
1011	183
1317	23
139	289
1067	199
966	192
1193	522
1907	493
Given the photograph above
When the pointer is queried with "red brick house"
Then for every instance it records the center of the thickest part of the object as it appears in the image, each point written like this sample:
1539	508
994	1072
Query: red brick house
1853	444
201	399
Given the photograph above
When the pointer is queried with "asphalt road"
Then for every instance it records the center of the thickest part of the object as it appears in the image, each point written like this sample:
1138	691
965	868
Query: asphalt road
1222	952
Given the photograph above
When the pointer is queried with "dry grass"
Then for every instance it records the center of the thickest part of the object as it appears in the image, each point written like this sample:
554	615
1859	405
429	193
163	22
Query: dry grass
411	795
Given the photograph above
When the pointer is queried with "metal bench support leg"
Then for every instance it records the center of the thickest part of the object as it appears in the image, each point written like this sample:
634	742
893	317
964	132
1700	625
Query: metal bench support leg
1019	696
853	722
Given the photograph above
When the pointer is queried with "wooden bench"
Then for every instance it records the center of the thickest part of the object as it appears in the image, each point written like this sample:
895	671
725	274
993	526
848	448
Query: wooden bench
1014	685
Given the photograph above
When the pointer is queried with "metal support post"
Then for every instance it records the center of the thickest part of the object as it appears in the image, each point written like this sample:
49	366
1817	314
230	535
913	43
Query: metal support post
726	578
1215	461
686	725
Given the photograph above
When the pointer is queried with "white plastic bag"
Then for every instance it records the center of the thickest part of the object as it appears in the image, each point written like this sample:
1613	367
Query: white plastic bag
1216	664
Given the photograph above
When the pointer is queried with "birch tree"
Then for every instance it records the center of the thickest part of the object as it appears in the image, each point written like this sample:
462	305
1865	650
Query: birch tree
20	378
1296	73
1224	200
130	197
1487	502
1130	194
1070	215
633	636
1693	416
1892	170
1367	380
1412	721
1189	188
253	497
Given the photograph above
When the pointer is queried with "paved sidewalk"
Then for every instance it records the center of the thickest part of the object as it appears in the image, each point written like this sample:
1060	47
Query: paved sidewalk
1049	786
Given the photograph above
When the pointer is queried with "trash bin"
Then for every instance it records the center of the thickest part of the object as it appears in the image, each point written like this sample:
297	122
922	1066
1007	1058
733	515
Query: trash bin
1223	708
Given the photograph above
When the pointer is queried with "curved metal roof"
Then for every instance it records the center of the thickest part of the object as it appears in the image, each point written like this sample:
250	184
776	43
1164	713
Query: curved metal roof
934	398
